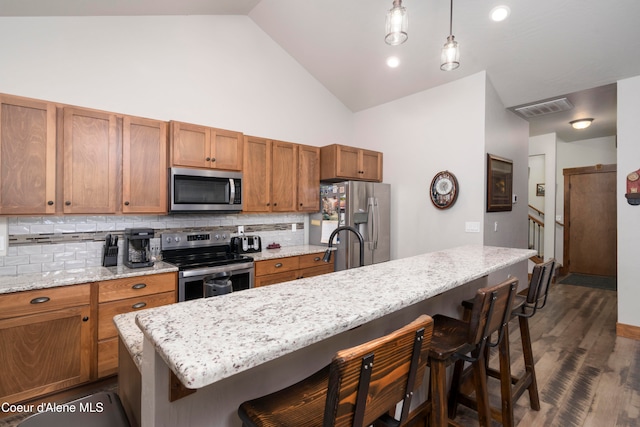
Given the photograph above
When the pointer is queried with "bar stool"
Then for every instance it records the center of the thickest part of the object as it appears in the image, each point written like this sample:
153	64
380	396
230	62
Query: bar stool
459	340
526	304
358	388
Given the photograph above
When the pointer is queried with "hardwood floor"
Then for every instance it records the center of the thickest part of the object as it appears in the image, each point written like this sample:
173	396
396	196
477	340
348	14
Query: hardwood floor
586	375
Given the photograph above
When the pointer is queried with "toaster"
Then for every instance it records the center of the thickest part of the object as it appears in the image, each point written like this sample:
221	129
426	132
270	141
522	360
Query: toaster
246	244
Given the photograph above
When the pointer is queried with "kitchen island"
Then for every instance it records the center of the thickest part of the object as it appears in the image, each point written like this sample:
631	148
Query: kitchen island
242	345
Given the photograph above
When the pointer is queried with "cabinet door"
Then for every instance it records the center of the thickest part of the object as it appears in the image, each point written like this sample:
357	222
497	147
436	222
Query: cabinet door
27	156
144	166
190	145
90	161
256	174
347	159
48	352
370	165
308	179
226	149
284	169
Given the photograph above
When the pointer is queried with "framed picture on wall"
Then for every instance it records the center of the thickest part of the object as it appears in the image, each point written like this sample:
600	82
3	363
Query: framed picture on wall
539	189
499	183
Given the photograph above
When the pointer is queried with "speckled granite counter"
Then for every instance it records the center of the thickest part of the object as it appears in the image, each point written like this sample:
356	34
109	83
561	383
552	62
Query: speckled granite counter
287	252
207	340
27	282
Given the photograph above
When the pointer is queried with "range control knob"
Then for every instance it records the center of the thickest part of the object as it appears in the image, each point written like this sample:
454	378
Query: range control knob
177	239
217	236
169	239
224	236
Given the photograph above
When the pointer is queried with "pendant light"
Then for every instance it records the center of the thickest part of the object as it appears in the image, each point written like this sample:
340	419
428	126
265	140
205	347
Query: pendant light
450	57
397	23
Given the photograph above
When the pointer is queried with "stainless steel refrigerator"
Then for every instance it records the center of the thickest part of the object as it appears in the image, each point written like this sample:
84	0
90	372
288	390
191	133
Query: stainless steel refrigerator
362	205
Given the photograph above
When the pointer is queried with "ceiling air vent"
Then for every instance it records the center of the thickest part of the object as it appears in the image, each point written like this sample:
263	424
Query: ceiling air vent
542	108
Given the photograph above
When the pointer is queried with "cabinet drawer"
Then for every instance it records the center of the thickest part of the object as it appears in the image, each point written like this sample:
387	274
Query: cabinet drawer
277	265
311	260
272	279
106	311
43	300
129	287
316	271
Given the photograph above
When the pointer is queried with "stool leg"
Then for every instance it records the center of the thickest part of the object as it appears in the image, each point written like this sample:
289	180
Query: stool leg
505	380
482	397
454	390
438	376
529	363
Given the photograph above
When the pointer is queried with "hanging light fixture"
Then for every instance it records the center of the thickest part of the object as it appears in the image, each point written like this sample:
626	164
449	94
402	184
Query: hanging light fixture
397	23
450	57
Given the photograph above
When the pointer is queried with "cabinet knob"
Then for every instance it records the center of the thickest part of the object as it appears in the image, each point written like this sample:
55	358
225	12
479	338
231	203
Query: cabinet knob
85	319
208	159
139	305
278	265
316	259
268	204
40	300
50	202
300	204
139	286
126	203
213	159
67	203
275	204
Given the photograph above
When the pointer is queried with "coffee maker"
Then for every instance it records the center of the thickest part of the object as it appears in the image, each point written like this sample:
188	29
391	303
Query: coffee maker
136	247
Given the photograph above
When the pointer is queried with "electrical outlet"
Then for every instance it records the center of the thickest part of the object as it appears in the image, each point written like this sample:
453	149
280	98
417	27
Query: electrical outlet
241	229
154	246
294	227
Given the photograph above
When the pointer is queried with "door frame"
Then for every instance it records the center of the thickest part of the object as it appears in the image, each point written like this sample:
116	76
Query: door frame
599	168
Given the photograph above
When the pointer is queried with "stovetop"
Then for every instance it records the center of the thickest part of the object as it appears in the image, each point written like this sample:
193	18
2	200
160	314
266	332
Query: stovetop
199	250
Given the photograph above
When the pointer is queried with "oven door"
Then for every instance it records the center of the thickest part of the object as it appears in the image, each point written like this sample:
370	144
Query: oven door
191	283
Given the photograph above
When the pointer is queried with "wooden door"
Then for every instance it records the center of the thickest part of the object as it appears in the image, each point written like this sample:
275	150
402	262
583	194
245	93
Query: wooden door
284	173
370	165
590	220
144	166
90	161
256	175
226	149
27	156
347	160
190	145
308	179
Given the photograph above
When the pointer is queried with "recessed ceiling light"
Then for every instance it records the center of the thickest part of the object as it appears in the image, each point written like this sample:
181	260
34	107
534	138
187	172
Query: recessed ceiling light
500	13
393	61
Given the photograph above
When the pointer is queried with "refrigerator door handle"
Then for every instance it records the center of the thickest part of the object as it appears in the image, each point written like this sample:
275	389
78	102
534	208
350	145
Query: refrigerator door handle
370	222
376	224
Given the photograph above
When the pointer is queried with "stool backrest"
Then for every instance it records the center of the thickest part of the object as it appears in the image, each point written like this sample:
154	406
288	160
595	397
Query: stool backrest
366	381
541	279
491	311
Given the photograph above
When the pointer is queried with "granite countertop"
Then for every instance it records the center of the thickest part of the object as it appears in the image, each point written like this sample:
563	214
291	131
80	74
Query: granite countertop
261	324
27	282
286	252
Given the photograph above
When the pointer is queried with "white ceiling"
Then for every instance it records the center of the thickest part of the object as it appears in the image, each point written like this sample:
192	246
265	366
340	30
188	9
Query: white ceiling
545	49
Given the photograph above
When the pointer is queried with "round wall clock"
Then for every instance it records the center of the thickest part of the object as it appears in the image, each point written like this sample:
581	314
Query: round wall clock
444	190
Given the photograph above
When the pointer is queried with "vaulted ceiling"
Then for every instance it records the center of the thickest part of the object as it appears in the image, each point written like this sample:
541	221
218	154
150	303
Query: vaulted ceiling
544	50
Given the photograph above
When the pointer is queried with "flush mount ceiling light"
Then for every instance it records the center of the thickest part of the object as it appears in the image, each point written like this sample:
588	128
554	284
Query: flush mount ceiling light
450	57
581	123
397	23
500	13
393	61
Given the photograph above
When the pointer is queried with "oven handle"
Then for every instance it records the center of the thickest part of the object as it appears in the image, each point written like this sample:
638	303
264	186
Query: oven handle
221	269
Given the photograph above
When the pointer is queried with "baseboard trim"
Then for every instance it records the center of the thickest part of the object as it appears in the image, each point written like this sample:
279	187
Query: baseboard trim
628	331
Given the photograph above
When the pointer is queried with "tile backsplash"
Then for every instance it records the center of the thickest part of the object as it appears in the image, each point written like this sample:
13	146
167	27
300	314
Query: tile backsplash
44	244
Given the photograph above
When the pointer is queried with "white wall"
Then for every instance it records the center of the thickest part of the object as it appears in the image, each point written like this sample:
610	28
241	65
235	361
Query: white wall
536	176
420	135
220	71
546	144
628	216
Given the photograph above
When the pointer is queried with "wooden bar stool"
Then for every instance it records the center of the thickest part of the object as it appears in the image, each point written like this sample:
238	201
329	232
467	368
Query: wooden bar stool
526	304
359	388
458	340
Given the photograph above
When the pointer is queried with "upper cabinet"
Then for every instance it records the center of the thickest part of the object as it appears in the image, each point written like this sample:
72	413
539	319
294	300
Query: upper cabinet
90	161
144	165
340	162
308	178
203	147
27	156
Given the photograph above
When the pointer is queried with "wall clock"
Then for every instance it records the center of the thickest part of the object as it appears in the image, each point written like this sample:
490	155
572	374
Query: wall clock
444	190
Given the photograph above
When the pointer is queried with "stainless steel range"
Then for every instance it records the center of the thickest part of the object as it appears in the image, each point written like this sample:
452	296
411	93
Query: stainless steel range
206	265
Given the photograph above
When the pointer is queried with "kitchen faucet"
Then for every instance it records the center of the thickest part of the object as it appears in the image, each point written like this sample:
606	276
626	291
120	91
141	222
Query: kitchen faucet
327	254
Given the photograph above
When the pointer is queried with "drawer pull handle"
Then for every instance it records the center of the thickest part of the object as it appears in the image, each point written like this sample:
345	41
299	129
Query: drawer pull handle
40	300
85	319
139	286
278	265
139	305
317	259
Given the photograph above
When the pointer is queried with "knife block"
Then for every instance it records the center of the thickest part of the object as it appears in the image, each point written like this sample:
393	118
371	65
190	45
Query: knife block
110	256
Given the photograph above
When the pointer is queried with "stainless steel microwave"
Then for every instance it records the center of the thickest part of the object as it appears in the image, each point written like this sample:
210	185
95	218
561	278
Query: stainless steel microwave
203	190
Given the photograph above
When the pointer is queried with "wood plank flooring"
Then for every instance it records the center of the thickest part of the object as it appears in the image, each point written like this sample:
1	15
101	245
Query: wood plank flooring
586	375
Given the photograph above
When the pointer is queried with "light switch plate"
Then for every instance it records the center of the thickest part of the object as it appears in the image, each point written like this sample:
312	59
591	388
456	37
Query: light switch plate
472	227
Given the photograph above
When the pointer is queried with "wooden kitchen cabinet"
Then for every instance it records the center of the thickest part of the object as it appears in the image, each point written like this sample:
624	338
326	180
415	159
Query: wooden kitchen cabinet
203	147
123	296
308	178
27	156
284	172
91	162
50	332
277	270
338	162
144	165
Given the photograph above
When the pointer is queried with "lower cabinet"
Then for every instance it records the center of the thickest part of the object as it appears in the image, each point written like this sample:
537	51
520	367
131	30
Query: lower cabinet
277	270
46	341
123	296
